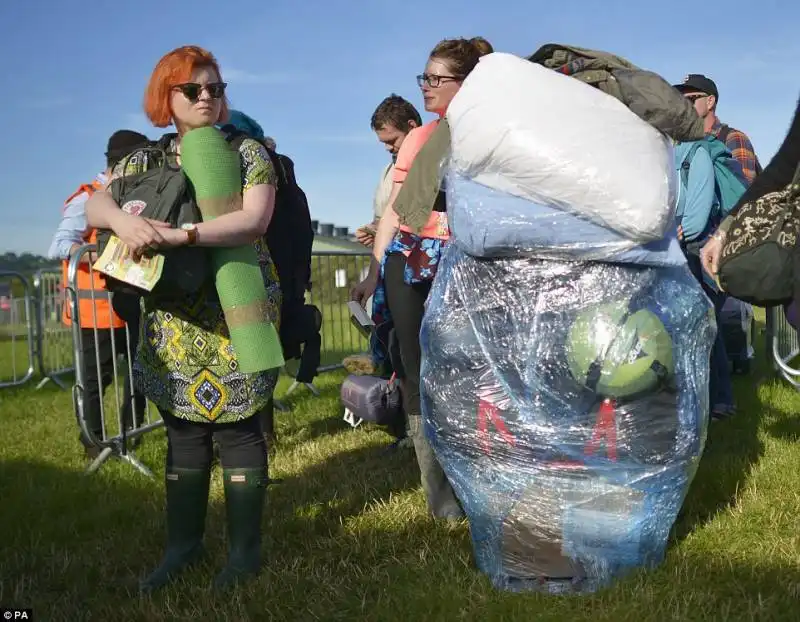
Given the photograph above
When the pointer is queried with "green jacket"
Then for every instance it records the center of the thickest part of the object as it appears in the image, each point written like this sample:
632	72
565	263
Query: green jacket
420	190
647	94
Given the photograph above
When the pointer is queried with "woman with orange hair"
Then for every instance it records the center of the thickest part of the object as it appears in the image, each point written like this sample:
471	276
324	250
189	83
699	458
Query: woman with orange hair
186	365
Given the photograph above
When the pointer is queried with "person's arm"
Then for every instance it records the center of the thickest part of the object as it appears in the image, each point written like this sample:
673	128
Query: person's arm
387	227
389	222
139	234
241	227
69	235
779	172
235	229
776	176
699	196
245	226
102	212
743	152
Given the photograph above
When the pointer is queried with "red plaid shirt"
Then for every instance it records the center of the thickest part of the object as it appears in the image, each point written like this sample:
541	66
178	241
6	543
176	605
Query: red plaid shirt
740	147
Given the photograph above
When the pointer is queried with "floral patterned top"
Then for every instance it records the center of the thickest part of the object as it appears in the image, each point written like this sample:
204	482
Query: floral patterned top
185	363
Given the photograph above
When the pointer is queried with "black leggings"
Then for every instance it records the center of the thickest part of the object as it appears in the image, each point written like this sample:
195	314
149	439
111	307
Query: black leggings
407	305
189	444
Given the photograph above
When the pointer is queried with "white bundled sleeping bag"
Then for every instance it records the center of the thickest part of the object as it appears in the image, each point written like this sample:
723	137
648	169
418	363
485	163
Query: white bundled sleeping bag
529	131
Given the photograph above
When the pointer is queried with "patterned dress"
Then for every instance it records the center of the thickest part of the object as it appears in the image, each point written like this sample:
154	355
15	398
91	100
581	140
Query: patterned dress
186	364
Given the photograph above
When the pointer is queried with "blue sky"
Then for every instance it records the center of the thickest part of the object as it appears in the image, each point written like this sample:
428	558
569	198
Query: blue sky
312	71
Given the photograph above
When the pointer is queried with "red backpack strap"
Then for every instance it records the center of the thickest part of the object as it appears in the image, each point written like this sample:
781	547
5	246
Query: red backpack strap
605	430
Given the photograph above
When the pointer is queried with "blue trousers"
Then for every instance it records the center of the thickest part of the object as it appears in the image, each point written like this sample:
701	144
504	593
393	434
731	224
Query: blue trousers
720	385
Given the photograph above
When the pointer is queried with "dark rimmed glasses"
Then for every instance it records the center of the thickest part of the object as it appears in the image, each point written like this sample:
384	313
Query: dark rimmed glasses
435	81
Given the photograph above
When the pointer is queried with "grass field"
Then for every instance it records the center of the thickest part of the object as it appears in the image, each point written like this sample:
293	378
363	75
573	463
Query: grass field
347	536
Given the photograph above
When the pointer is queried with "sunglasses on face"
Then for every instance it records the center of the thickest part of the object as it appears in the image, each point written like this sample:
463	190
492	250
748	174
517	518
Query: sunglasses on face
192	90
434	81
695	97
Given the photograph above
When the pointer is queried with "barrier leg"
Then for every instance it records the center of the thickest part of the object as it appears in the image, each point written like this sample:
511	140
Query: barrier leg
135	463
105	454
100	350
308	385
54	379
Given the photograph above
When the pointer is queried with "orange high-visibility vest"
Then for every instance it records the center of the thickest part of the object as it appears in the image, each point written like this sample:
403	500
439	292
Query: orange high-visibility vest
94	300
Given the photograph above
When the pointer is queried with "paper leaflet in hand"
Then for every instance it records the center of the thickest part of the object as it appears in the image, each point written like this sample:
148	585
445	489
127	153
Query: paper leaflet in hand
117	262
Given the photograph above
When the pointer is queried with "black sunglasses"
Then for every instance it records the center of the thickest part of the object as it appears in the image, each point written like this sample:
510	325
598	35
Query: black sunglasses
695	96
192	90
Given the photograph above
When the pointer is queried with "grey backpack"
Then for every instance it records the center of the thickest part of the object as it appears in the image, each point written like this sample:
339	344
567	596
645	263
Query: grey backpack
162	193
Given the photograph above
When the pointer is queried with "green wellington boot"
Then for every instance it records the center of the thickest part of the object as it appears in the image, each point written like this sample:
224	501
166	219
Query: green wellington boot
245	490
187	502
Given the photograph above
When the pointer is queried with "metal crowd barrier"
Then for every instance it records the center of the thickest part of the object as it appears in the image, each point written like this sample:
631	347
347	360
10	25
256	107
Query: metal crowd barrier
54	343
17	330
32	335
43	344
116	435
783	345
332	276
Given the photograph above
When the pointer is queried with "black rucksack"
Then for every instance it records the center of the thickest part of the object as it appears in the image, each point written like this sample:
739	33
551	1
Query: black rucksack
290	236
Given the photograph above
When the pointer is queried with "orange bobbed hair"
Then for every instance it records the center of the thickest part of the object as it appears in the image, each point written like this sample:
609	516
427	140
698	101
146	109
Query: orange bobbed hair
175	68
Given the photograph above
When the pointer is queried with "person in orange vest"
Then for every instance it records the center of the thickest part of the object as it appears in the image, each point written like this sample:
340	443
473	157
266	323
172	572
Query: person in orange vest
96	310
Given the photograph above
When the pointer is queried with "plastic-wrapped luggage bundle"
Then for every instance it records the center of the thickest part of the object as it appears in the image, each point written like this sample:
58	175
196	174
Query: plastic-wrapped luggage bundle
567	403
565	344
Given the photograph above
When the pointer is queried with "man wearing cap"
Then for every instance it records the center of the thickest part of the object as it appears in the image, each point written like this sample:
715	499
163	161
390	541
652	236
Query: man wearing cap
71	232
102	323
703	93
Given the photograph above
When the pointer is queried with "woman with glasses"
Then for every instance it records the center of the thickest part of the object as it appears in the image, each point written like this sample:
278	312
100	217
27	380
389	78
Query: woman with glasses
186	365
404	262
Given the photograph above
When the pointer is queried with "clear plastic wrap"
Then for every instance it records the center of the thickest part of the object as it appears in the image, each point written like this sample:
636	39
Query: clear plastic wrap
568	405
535	133
489	223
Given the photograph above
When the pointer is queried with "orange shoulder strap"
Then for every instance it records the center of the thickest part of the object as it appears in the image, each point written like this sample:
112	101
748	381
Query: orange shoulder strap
89	189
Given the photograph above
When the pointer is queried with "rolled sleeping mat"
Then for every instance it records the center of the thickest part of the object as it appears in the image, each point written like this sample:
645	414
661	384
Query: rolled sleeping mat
213	169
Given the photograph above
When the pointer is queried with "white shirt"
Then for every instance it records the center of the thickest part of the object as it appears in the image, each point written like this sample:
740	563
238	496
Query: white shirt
383	191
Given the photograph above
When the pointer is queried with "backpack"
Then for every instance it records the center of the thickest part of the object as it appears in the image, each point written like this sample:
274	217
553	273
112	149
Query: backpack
729	180
723	136
290	236
162	193
646	94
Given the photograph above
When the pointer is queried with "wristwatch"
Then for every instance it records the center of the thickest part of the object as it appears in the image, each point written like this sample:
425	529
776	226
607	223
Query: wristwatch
720	236
191	231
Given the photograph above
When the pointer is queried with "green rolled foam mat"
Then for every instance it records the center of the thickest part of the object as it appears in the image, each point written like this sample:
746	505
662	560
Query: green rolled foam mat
212	167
